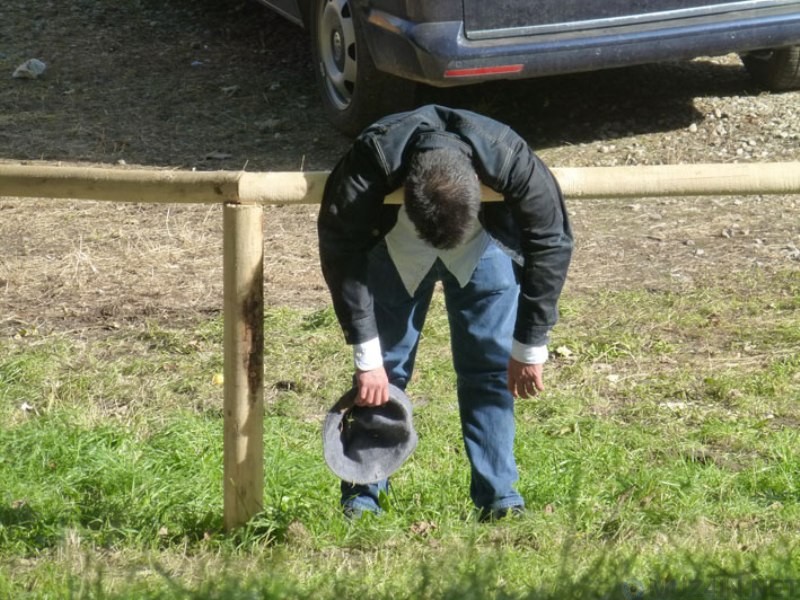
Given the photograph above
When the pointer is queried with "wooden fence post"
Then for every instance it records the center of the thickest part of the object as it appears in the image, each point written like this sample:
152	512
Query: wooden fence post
243	404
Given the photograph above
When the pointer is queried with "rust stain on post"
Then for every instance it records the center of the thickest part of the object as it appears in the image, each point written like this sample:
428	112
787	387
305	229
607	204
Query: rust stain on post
253	322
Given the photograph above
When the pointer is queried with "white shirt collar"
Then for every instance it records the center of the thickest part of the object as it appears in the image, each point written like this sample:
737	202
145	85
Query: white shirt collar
413	257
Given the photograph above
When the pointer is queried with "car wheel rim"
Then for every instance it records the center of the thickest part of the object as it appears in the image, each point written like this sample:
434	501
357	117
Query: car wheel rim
336	40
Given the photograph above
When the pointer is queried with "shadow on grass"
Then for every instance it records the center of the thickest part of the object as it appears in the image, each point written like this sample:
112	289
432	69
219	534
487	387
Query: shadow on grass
481	580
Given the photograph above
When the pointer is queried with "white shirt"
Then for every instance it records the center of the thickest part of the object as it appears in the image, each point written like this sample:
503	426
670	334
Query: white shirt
413	258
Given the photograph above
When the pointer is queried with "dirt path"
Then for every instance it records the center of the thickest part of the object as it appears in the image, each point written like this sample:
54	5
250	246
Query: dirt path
227	85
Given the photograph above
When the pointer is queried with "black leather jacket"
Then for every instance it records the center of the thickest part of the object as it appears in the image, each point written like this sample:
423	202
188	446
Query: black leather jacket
531	223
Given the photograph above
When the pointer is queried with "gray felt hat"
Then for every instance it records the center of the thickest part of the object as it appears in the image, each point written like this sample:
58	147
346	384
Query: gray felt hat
364	444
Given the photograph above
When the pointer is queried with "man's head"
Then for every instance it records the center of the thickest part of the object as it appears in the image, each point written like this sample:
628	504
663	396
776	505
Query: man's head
442	196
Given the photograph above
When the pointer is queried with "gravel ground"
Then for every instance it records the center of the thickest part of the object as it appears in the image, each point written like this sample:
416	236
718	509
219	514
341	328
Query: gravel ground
227	85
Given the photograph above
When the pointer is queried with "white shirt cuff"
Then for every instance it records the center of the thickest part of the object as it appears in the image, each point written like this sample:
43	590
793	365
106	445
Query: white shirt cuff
530	355
367	355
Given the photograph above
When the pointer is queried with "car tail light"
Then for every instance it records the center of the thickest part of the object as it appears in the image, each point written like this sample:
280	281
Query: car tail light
483	71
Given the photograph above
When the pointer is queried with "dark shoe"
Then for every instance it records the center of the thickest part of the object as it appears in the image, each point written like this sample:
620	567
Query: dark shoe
495	514
354	513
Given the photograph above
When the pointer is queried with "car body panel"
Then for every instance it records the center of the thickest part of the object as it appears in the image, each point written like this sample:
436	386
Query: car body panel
287	8
430	51
478	40
521	17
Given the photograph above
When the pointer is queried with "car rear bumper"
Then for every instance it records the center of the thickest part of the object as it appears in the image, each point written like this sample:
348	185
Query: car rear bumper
440	54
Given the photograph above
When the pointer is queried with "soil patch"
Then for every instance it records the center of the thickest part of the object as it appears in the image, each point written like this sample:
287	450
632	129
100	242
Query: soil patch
228	85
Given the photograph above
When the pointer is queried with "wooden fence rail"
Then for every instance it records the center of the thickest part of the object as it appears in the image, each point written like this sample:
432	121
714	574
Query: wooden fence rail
243	195
204	187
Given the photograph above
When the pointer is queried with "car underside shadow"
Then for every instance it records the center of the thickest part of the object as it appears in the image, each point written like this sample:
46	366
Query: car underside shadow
589	107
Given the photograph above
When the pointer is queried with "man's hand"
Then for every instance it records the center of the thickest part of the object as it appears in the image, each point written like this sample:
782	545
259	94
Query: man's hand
373	387
524	381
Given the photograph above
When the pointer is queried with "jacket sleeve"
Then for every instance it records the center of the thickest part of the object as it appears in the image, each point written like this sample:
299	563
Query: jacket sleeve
348	227
537	207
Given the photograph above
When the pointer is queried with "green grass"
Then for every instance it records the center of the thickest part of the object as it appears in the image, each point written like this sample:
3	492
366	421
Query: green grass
663	461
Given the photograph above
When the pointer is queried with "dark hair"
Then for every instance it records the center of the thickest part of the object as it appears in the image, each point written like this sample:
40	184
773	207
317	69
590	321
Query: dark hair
442	196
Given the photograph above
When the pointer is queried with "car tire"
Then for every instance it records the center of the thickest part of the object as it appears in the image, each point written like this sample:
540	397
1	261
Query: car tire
777	69
354	92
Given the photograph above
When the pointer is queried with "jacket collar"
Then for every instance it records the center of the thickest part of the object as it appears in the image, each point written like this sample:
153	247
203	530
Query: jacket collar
437	140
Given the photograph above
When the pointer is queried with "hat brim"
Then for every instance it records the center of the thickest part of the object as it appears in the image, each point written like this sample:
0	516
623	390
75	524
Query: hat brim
368	455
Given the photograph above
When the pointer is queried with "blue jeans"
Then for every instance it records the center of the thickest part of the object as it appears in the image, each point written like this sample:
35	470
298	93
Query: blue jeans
481	317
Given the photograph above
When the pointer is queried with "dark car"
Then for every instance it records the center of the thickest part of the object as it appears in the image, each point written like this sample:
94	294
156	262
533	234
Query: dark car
370	53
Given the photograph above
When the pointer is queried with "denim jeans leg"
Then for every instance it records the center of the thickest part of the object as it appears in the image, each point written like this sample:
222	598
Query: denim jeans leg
400	318
482	316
